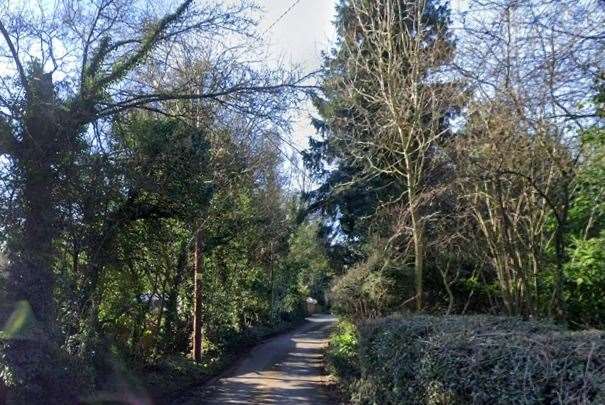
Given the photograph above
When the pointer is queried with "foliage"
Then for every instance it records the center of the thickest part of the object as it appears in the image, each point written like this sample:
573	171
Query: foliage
111	157
585	268
308	260
167	376
476	359
364	291
342	351
585	275
149	132
587	212
350	194
495	215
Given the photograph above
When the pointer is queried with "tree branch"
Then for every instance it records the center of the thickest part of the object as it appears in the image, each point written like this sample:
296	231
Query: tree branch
148	43
139	101
15	55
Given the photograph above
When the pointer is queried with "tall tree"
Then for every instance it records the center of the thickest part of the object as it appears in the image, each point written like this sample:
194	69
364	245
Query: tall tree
387	107
76	65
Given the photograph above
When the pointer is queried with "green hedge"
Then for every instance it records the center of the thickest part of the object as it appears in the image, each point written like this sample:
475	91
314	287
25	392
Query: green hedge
342	352
473	360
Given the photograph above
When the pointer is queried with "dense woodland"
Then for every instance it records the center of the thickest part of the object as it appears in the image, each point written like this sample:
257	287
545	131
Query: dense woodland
462	157
149	229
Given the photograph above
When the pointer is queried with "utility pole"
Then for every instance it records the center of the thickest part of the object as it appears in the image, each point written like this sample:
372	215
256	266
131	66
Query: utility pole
197	295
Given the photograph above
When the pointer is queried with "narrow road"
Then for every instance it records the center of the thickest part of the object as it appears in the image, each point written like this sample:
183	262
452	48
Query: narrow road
287	369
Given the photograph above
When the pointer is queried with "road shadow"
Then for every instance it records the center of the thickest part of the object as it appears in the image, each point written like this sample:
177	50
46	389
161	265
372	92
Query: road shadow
288	369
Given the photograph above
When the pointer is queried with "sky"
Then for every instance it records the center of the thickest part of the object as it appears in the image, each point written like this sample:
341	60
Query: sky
301	34
298	39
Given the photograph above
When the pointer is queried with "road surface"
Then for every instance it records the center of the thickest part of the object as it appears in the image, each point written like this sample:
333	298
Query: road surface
287	369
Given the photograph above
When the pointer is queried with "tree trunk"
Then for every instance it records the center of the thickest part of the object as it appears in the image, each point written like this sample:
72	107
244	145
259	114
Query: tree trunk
197	297
418	262
558	306
272	294
31	280
171	302
31	252
47	146
448	289
30	275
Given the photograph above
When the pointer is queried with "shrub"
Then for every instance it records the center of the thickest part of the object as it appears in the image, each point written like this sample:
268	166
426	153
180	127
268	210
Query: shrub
585	282
362	293
476	360
342	351
167	377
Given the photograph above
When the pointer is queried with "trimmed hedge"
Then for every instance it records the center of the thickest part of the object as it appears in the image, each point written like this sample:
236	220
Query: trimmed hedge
474	360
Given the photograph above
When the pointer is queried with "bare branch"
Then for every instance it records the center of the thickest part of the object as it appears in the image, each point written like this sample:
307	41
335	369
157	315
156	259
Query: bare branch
16	60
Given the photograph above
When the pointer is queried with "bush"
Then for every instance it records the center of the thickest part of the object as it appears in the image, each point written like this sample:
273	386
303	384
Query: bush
168	377
342	351
476	360
362	293
585	282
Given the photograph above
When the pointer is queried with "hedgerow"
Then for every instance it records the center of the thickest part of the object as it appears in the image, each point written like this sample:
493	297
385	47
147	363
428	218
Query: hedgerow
473	360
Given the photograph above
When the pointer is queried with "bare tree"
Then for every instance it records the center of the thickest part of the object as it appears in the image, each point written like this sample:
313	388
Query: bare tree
396	56
511	215
531	68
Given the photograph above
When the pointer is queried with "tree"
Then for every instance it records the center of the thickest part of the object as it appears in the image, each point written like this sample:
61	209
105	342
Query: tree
510	214
47	126
395	107
346	198
534	61
308	260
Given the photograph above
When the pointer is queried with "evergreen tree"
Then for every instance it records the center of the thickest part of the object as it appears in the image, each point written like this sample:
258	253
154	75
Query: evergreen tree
350	194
